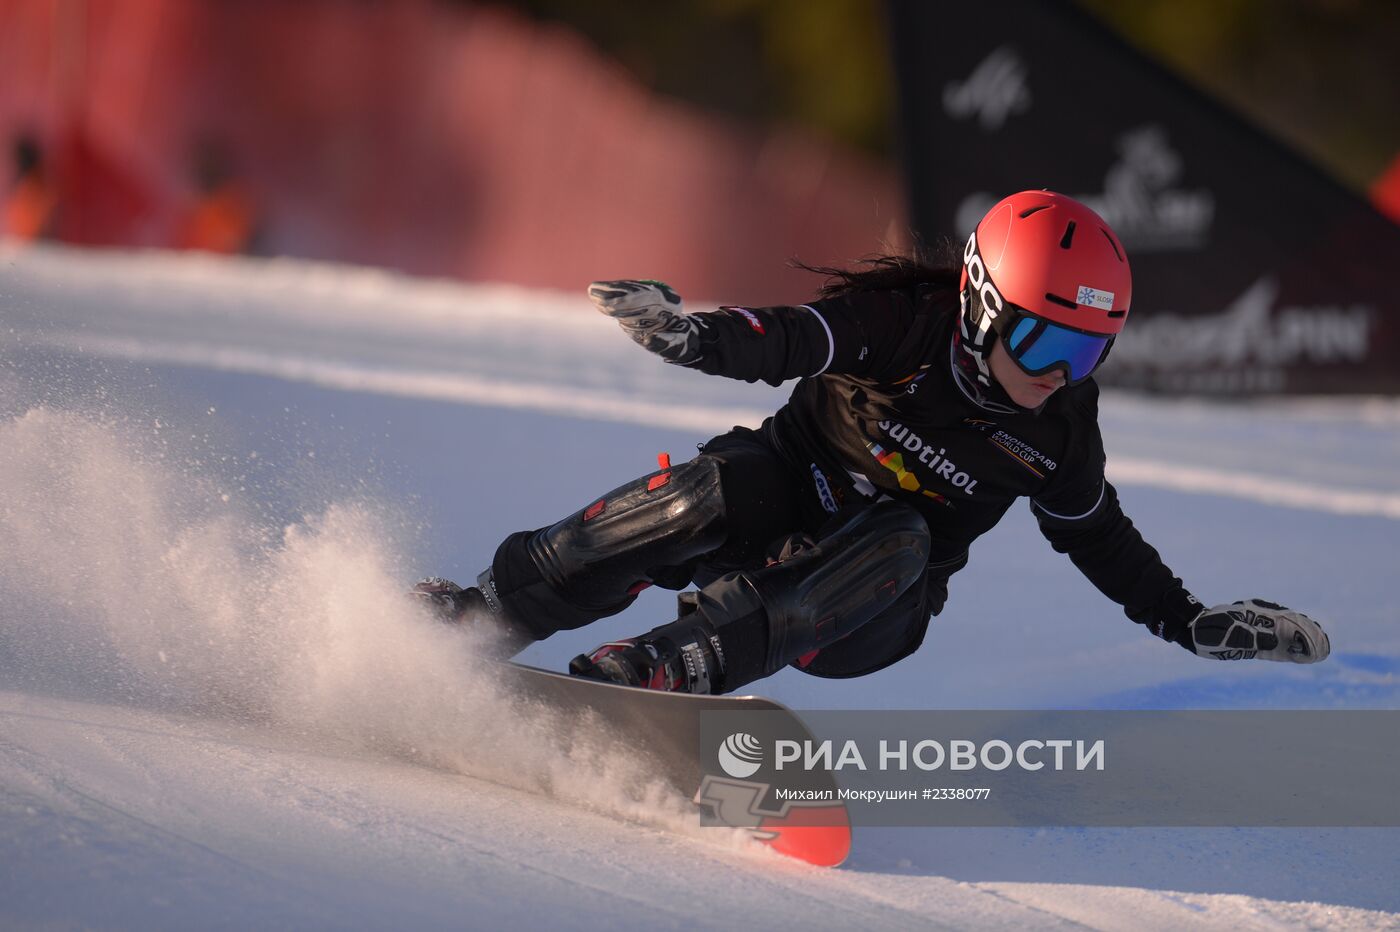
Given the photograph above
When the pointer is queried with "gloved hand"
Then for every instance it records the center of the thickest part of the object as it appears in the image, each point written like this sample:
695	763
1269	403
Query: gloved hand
650	313
1255	628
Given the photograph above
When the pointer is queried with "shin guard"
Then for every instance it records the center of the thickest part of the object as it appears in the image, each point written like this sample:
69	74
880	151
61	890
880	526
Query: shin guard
594	562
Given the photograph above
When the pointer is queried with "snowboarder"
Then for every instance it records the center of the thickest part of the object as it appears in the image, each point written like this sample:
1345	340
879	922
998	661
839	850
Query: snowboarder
931	394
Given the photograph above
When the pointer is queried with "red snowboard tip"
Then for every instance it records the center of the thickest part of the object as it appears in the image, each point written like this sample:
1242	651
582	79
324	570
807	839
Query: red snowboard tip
817	835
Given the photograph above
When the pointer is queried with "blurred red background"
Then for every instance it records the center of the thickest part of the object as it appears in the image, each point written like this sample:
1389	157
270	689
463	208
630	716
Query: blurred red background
463	141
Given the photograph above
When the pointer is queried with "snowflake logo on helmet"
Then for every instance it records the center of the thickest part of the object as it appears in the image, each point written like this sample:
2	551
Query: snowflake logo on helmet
1092	297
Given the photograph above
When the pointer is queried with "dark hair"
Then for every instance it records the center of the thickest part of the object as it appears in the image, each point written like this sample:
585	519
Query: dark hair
938	264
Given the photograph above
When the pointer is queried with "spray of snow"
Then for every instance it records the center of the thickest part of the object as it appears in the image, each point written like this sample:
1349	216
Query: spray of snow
124	577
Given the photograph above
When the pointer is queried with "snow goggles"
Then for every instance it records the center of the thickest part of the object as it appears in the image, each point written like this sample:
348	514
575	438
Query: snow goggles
1038	346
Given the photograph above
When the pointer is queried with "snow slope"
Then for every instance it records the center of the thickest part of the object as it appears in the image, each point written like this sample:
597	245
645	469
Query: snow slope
215	707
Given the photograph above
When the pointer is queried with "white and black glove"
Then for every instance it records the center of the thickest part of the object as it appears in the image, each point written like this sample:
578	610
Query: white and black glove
1255	628
650	312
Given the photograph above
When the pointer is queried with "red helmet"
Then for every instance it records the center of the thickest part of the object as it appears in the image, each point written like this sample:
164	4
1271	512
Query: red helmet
1046	275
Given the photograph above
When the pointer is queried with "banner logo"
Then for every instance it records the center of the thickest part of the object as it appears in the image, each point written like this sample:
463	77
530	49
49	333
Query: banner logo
1140	198
995	90
1253	329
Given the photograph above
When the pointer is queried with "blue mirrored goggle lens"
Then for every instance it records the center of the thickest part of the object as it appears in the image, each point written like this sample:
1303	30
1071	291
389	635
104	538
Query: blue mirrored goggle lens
1023	329
1055	345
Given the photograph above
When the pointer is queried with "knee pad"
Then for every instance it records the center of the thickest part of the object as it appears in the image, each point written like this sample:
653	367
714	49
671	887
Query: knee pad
826	591
604	554
767	618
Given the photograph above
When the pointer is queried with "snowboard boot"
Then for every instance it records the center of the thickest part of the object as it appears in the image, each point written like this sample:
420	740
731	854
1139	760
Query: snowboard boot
684	657
469	608
449	602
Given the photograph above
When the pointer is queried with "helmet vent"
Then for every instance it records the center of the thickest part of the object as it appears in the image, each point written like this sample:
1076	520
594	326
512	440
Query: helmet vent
1030	210
1122	313
1068	237
1112	243
1064	302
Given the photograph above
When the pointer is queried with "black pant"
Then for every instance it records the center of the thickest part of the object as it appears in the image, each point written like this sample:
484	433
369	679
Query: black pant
770	510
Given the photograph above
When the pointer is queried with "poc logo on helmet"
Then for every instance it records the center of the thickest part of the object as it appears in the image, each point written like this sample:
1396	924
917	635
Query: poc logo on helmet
740	755
981	283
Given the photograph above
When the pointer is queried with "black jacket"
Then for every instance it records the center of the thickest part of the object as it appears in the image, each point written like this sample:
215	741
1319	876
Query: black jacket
877	411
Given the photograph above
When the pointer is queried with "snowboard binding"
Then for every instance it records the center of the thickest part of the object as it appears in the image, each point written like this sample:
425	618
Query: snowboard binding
684	656
471	609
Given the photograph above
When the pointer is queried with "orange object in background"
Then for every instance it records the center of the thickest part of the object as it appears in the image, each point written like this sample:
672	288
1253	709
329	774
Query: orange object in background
1385	191
29	209
220	221
31	200
222	217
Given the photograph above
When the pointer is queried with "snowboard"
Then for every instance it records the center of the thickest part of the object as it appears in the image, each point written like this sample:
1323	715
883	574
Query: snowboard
674	734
